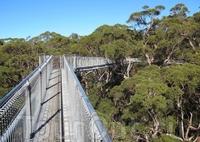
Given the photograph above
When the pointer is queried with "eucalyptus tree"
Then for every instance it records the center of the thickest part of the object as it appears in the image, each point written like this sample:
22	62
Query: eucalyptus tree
5	85
176	33
74	37
141	103
195	58
120	44
16	61
113	42
157	103
147	21
183	92
172	37
58	44
14	46
103	35
196	37
91	44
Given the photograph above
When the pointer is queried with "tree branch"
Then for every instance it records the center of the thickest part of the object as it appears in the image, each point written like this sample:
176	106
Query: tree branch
174	137
188	128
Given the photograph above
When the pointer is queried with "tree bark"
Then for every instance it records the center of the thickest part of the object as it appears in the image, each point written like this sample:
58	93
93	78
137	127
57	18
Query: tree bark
172	51
156	124
174	137
149	59
86	87
181	124
128	69
189	125
193	47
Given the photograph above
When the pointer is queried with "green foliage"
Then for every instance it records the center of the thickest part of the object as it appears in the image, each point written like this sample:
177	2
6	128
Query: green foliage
117	50
151	103
93	99
106	106
165	138
18	57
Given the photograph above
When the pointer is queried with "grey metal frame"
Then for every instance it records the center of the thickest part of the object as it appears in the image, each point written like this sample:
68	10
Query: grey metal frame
20	108
84	123
79	63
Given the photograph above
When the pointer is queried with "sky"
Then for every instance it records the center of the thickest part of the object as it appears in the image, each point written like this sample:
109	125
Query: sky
23	18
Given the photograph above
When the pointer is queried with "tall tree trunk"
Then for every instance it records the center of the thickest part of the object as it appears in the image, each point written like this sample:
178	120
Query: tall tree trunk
128	68
108	76
193	47
149	59
156	127
86	87
173	49
156	124
181	125
146	137
181	118
188	128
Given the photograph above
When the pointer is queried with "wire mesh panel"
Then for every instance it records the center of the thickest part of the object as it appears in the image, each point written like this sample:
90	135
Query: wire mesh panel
80	62
10	112
35	99
85	125
20	108
43	81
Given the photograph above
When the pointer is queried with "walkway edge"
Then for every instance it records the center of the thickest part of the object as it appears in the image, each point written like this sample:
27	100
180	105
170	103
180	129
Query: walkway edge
64	108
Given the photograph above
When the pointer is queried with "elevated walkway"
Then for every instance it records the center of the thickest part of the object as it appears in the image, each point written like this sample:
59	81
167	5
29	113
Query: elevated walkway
50	105
49	126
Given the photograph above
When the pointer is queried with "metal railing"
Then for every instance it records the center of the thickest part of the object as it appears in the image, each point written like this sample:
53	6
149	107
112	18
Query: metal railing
79	63
85	125
20	108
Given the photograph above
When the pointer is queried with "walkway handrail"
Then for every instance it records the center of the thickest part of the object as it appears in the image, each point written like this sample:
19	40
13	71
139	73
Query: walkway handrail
96	128
20	108
79	62
9	95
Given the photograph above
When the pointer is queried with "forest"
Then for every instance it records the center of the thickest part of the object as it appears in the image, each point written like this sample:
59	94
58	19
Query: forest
156	100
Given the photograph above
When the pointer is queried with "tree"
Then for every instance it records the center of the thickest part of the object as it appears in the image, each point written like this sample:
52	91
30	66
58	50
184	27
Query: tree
179	10
184	83
178	31
146	22
141	98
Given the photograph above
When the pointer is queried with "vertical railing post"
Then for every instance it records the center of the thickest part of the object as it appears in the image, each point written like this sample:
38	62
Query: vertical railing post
12	123
40	84
42	58
28	112
60	61
74	66
46	75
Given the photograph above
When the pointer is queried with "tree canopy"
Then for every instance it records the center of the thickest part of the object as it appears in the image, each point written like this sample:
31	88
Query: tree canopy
157	99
